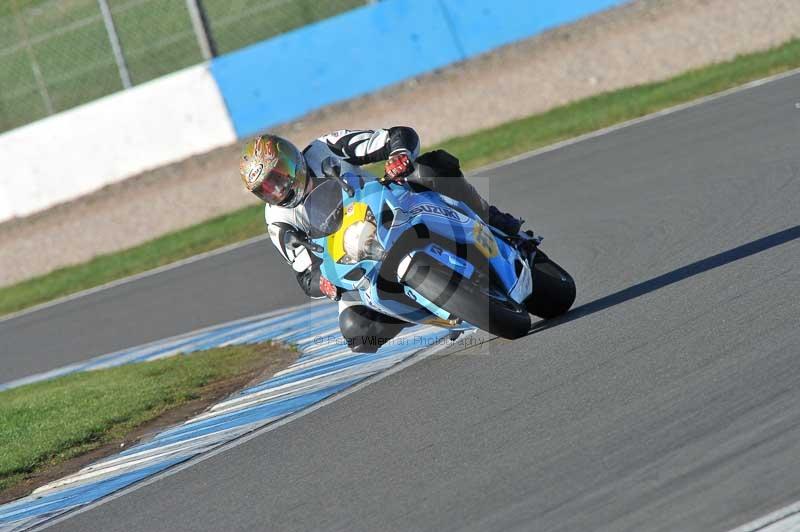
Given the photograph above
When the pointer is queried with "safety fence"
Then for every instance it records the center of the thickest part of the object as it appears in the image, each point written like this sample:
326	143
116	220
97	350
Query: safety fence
56	54
371	48
211	104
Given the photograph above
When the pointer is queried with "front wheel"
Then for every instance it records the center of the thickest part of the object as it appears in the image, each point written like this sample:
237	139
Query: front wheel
553	288
466	299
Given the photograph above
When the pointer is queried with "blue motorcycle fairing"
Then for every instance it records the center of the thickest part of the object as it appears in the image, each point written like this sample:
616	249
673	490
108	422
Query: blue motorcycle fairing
449	260
445	217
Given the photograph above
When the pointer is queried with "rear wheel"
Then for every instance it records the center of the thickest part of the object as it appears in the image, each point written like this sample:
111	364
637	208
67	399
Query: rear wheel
467	299
553	288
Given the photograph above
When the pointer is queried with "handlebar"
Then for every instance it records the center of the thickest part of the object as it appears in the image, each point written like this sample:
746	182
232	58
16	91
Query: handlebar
292	238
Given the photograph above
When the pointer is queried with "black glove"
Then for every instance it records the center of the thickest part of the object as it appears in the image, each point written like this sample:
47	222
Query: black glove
309	282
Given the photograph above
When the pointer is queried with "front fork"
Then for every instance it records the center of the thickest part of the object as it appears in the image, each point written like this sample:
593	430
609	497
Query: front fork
527	243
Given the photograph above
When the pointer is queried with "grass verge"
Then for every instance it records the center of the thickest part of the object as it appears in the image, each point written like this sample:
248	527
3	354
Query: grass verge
45	425
474	150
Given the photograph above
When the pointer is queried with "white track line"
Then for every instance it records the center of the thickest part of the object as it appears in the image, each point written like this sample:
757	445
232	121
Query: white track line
132	278
500	164
784	520
113	360
635	121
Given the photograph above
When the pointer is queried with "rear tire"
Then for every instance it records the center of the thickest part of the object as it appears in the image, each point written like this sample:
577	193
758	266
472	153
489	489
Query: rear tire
463	298
553	288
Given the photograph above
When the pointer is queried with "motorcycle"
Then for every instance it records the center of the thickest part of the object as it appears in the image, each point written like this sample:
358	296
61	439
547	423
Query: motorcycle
426	258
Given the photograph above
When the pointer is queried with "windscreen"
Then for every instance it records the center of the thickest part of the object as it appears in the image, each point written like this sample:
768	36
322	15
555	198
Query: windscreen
322	209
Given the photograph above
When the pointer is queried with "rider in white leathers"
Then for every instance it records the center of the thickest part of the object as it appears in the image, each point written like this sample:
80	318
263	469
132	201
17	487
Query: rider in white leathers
279	174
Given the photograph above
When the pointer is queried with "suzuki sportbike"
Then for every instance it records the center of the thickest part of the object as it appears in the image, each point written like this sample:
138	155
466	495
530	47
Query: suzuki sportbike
426	258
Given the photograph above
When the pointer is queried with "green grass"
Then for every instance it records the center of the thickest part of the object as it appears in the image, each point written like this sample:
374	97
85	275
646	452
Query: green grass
618	106
46	423
474	150
70	44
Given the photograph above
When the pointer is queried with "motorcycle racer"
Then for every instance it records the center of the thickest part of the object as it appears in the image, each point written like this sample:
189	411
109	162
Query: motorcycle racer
278	173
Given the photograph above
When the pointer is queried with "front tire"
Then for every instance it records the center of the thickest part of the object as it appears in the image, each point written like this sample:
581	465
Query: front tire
553	288
464	298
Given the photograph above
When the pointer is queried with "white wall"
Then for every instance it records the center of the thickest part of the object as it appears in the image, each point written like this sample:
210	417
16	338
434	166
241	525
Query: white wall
78	151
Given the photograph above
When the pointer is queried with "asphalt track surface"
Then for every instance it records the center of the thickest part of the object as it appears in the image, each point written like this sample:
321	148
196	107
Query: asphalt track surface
238	284
667	400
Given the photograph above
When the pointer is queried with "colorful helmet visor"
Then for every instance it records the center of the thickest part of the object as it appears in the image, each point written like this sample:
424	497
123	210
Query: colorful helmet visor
274	170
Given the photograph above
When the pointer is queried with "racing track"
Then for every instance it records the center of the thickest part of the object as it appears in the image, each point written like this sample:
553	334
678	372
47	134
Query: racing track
667	400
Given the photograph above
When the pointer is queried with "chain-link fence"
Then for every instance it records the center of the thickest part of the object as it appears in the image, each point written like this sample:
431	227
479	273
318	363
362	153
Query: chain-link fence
56	54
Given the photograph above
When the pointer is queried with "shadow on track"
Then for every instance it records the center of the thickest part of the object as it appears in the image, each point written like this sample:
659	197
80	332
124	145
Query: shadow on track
675	276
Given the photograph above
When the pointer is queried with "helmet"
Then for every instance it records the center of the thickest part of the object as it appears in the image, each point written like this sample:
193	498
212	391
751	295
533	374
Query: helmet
273	169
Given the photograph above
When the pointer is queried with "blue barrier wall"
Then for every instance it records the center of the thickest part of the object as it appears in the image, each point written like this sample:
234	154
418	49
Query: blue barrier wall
369	48
482	25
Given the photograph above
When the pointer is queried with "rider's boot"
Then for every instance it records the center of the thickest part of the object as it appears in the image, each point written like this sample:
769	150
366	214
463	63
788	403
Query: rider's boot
507	223
455	186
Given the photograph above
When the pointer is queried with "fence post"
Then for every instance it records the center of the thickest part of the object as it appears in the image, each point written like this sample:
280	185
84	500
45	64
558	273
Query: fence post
202	29
124	76
37	72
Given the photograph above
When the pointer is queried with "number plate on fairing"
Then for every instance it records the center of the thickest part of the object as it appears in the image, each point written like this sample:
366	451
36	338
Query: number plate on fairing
484	240
524	285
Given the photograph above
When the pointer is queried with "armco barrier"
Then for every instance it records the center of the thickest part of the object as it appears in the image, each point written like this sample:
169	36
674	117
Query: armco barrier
372	47
81	150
